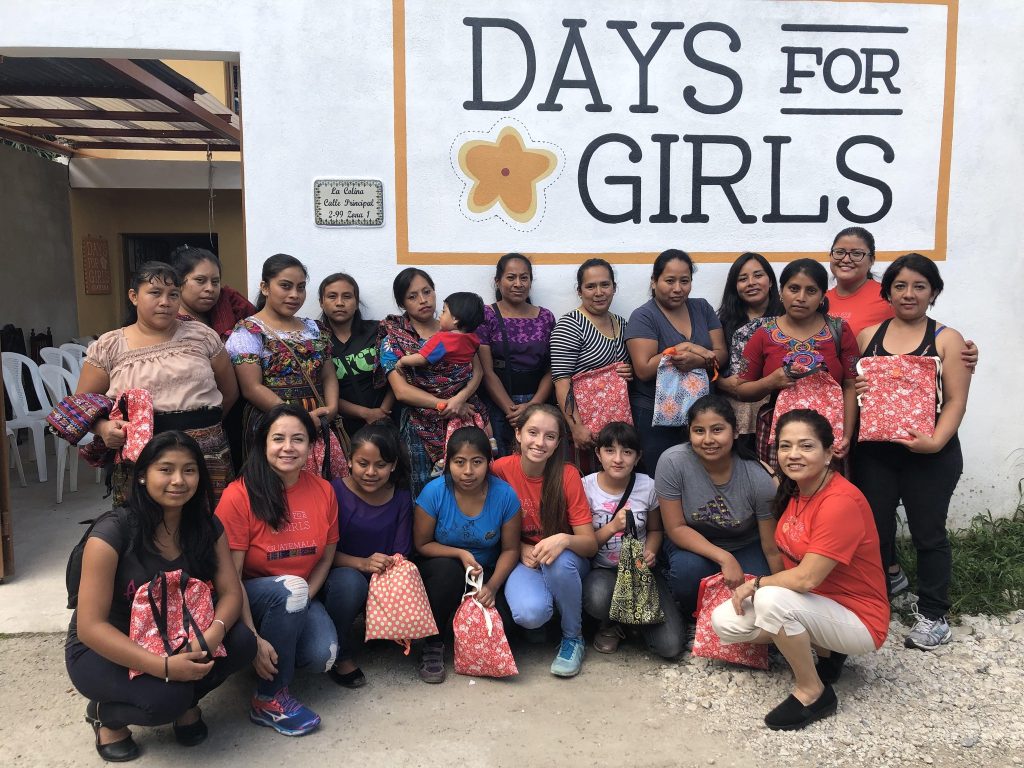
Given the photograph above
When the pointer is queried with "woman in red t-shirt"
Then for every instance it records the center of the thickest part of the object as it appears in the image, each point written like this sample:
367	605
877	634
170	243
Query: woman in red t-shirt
557	534
831	593
282	527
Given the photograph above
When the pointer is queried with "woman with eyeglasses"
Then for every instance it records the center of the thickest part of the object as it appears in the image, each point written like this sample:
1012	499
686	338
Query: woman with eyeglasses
856	297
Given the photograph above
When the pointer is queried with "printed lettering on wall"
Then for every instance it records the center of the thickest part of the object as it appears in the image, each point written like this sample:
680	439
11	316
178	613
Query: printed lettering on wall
572	128
96	265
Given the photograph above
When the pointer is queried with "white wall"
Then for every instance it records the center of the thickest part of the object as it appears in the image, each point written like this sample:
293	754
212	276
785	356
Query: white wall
317	92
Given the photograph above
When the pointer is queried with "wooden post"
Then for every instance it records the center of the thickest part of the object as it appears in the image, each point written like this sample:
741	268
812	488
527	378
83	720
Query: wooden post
6	537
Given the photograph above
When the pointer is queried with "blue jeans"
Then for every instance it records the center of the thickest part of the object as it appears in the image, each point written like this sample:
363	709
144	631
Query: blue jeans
344	597
300	629
534	593
686	569
504	434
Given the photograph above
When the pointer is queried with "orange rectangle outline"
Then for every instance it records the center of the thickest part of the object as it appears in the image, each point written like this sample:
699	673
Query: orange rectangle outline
404	256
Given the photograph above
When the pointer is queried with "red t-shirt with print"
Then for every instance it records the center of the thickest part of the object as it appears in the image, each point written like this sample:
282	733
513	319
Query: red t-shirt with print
862	308
836	522
294	549
528	489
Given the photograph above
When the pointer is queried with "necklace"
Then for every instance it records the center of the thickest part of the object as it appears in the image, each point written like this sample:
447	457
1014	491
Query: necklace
796	507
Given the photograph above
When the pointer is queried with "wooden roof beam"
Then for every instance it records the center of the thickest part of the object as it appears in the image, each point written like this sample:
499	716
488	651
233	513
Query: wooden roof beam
34	141
97	114
158	89
138	133
147	146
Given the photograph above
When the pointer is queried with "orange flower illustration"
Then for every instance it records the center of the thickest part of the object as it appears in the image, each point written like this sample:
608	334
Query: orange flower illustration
505	171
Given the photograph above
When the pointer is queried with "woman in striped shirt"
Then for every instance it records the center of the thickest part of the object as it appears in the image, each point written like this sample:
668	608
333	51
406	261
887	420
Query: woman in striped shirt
587	338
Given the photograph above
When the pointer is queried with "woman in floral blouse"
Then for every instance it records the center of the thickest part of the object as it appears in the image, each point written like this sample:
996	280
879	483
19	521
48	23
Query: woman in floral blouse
268	348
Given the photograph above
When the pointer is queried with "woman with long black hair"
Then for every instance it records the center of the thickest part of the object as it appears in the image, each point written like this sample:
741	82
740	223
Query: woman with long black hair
166	525
282	527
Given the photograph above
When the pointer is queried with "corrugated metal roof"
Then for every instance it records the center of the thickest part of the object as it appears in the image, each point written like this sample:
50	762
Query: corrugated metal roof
40	99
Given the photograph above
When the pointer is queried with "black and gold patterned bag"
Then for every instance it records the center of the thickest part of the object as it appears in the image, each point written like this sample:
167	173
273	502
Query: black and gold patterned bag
635	597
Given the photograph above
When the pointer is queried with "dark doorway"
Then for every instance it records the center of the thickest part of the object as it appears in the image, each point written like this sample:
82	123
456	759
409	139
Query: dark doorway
138	249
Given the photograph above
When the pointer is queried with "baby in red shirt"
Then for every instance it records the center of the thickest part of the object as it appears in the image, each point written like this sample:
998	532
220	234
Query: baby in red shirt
456	342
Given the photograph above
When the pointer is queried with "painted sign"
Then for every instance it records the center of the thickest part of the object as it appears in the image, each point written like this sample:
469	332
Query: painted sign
348	202
96	265
575	128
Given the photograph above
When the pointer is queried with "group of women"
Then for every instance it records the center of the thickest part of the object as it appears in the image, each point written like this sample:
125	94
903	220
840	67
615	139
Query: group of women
291	544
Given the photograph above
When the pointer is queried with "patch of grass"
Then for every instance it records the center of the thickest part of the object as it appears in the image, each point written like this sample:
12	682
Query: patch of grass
988	563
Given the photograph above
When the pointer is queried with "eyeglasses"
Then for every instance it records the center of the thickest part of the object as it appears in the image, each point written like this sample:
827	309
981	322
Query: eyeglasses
838	254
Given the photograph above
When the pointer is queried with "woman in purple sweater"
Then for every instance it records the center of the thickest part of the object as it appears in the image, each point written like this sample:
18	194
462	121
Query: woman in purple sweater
374	524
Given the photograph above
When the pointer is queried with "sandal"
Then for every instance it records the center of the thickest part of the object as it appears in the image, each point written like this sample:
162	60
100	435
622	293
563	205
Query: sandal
117	751
353	679
432	662
608	638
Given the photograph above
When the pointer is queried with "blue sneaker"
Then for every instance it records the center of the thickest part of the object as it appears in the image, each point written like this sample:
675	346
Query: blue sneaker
284	714
570	657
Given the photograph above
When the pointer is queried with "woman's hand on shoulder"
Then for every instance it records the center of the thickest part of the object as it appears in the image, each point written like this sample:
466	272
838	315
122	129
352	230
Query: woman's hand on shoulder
969	354
188	667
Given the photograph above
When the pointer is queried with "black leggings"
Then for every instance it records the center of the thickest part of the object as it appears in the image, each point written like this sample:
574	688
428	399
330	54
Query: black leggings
148	700
444	578
888	472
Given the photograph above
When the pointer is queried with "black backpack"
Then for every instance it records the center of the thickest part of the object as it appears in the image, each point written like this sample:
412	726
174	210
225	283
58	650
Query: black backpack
73	574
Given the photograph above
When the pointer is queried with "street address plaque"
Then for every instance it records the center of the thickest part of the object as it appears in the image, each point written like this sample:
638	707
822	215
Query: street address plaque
349	202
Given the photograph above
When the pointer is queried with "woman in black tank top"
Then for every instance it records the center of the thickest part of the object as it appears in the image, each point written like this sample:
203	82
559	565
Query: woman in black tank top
923	469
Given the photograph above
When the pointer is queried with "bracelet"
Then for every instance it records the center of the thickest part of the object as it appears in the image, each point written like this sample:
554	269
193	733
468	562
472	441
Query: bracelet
757	583
441	405
167	674
218	621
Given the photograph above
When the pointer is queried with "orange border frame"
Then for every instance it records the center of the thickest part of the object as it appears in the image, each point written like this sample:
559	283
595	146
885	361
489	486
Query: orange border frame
404	256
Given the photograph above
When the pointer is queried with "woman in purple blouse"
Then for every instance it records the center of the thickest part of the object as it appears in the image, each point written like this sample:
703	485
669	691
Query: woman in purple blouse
374	524
514	349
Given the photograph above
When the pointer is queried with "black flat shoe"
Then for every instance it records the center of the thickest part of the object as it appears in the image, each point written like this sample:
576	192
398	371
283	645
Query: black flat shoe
792	715
191	734
116	752
830	668
353	679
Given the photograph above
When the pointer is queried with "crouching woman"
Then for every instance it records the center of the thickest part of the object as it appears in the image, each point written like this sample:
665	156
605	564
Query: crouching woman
166	525
831	594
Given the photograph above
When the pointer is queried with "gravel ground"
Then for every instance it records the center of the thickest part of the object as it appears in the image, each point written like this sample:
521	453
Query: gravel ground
959	705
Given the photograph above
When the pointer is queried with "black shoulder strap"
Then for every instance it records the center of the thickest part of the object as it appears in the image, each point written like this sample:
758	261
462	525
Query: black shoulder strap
625	496
630	520
506	371
835	325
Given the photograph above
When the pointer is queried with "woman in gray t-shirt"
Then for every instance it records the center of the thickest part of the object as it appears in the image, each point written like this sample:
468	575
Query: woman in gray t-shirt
715	505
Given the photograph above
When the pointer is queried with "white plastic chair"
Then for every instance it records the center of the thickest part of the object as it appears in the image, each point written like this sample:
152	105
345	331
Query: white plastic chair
34	421
60	383
12	440
78	350
62	358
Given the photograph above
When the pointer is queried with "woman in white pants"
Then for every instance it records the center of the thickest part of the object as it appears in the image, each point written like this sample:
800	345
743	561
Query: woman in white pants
831	594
